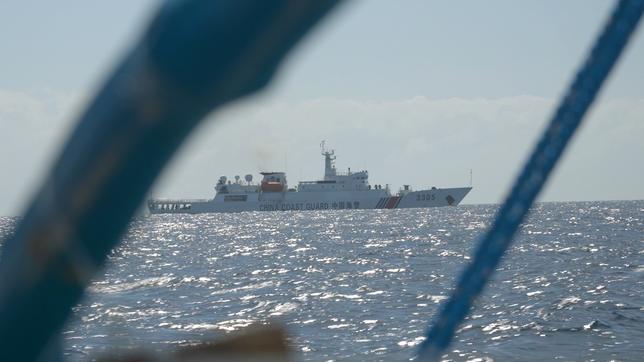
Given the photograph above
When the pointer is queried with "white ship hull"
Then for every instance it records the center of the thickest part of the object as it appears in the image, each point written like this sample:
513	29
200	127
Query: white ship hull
337	200
335	191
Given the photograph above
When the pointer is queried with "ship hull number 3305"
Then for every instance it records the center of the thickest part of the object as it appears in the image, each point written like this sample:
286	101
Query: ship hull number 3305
425	197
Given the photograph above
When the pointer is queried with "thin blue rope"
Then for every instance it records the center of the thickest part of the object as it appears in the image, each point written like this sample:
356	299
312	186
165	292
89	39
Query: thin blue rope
565	121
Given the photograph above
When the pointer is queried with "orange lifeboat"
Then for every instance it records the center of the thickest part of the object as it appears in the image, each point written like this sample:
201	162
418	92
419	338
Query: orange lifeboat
271	186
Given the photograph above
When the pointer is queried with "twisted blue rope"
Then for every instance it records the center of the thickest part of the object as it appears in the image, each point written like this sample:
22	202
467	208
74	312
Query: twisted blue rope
194	57
565	121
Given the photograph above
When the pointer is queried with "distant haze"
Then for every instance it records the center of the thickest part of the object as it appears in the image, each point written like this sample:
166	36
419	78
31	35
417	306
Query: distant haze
402	91
419	141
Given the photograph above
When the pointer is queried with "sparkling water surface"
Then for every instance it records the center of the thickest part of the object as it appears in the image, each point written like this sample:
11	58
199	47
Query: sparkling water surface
364	284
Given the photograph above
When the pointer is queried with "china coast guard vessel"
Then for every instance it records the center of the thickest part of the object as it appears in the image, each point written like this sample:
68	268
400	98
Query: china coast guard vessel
336	191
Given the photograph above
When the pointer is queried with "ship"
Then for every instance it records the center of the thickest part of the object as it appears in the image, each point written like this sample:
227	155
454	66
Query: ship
335	191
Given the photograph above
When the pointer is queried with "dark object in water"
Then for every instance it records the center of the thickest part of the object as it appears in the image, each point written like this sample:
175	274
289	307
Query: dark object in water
255	343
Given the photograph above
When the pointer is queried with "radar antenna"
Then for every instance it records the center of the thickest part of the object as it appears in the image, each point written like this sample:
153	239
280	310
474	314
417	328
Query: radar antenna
326	152
329	164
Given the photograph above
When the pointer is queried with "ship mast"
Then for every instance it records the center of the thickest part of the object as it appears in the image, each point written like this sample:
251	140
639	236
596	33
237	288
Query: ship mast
329	164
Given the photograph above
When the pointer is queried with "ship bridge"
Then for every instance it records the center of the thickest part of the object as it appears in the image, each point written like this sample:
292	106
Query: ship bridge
334	180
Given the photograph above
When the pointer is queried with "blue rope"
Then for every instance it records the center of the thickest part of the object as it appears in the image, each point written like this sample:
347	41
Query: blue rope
565	121
194	57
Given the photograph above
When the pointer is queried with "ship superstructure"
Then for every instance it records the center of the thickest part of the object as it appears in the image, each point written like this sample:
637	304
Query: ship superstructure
335	191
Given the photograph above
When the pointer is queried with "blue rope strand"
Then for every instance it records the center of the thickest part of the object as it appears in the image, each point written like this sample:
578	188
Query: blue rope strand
194	57
553	142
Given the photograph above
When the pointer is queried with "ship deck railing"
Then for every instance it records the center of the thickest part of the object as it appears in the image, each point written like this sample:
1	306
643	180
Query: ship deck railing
176	201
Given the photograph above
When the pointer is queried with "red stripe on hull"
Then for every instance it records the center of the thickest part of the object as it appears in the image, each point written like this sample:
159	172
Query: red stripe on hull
392	202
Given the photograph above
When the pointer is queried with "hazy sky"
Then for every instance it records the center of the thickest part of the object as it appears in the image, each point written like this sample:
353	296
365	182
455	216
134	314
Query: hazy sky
416	92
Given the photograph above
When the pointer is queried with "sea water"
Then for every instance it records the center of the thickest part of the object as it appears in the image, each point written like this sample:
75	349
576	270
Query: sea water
365	284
